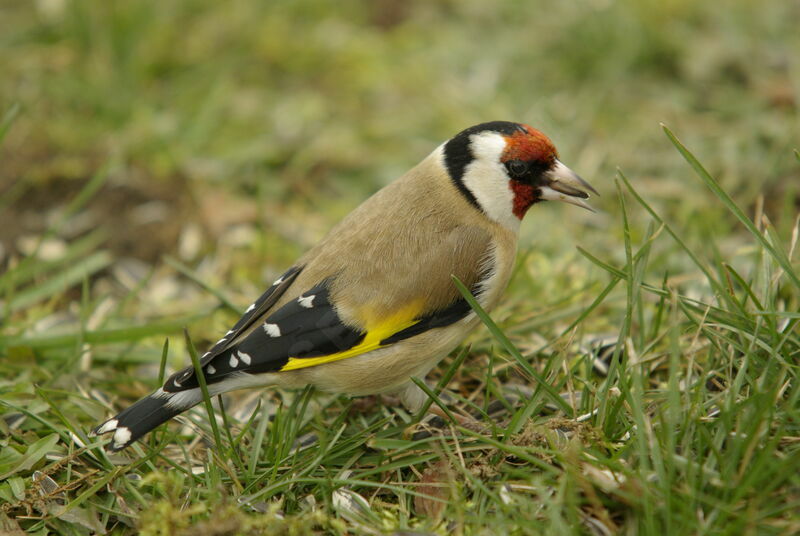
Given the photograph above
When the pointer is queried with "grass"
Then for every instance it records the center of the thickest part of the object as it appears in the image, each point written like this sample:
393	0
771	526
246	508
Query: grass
160	163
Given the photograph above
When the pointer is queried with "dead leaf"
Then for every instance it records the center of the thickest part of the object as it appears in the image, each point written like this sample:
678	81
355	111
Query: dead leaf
9	527
435	490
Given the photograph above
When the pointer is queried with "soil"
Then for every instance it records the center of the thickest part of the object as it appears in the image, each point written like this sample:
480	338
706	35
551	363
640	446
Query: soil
143	218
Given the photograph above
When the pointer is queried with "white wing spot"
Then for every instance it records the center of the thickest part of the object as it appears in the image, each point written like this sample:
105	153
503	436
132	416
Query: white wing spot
234	362
229	332
273	330
206	354
186	399
252	306
122	436
278	281
211	370
108	426
176	383
306	301
245	358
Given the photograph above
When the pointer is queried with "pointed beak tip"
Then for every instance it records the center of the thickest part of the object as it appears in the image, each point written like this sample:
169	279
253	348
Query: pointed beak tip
566	181
583	204
551	194
585	188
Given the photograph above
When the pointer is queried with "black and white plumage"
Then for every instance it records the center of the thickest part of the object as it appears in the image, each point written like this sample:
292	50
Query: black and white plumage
374	304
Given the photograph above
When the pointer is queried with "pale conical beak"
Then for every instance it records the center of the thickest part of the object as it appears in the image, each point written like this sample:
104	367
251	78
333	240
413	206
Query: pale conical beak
567	186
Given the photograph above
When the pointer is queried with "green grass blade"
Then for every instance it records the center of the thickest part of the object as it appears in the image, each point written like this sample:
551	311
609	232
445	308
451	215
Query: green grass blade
61	281
511	349
714	186
8	120
201	379
192	275
109	335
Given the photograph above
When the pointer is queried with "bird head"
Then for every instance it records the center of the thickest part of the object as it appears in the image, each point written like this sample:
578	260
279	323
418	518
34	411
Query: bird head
504	168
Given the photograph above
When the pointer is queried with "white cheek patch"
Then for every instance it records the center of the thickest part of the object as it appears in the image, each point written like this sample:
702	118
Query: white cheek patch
487	146
486	178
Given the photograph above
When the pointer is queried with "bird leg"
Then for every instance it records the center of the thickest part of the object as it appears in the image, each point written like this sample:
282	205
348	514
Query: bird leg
413	399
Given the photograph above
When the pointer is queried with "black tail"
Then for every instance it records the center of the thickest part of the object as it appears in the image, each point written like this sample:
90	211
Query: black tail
145	415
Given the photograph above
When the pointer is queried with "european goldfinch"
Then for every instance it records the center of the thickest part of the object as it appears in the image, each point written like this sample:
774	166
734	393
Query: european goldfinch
374	303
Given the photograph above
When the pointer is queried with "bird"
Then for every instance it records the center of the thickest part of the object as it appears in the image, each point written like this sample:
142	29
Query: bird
374	303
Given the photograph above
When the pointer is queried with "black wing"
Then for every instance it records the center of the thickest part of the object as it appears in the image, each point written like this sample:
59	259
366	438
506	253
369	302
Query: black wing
303	328
251	315
304	332
254	312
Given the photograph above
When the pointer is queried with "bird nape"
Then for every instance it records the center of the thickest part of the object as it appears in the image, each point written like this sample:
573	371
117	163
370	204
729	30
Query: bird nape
374	304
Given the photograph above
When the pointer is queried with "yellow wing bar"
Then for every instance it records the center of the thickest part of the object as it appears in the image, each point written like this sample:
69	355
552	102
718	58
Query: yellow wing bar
380	330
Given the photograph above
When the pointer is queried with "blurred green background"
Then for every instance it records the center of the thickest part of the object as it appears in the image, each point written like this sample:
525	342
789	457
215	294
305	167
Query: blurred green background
300	109
147	141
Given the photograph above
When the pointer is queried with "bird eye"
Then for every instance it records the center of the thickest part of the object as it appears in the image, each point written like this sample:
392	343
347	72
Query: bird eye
517	168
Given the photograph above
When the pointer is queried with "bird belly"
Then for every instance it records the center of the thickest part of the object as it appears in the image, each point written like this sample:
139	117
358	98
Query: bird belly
387	369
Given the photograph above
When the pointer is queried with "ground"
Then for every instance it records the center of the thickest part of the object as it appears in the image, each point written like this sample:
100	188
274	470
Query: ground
161	162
